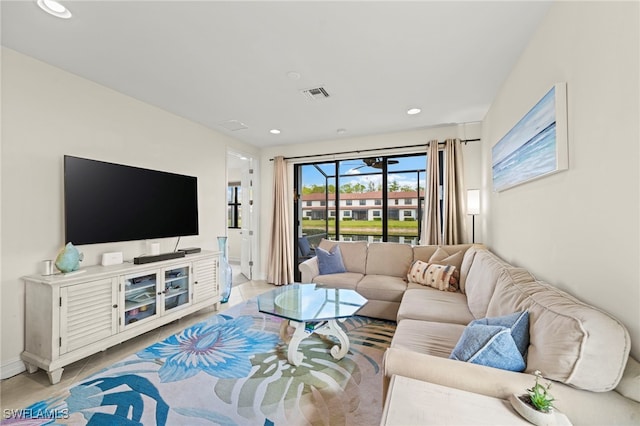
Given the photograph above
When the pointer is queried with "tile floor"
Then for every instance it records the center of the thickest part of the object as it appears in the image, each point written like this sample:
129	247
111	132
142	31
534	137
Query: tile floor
24	389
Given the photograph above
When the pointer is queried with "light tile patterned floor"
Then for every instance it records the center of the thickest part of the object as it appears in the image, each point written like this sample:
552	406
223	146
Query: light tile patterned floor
24	389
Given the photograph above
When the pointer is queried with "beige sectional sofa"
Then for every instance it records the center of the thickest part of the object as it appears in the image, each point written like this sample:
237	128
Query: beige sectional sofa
584	350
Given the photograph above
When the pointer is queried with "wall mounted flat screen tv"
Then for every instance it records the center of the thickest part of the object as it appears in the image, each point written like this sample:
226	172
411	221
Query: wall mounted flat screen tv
106	202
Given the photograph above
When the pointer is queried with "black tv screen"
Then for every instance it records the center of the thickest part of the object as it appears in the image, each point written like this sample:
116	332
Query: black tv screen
106	202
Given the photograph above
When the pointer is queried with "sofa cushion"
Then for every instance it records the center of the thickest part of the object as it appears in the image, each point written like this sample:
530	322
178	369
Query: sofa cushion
467	261
443	257
490	345
428	304
354	254
426	337
570	341
481	281
330	262
629	385
346	280
382	287
432	275
425	253
391	259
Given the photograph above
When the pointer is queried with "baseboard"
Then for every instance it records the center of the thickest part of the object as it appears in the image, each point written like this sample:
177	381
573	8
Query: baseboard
12	368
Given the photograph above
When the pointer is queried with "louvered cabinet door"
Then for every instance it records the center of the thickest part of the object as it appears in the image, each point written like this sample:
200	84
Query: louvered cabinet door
205	279
88	313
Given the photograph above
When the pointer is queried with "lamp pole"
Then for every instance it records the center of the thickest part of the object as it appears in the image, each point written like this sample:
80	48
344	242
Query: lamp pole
473	208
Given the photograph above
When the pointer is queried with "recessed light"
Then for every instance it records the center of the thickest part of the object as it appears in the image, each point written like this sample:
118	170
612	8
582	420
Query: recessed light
293	75
341	131
274	131
54	8
413	111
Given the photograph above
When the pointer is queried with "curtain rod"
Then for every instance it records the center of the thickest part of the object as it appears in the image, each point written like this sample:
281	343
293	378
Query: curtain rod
372	149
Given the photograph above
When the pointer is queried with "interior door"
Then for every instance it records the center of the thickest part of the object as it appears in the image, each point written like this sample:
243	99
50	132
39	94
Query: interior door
247	232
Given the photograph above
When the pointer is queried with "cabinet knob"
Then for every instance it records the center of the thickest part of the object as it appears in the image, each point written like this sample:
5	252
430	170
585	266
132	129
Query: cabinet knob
115	306
160	293
195	282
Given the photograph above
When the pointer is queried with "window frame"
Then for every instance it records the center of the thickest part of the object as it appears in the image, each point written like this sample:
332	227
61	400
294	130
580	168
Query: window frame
234	206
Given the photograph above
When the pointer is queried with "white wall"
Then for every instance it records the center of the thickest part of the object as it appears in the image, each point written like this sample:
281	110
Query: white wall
46	113
472	152
577	229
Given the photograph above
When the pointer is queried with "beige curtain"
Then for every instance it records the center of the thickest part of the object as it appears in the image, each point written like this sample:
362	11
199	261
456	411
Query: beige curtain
280	266
431	219
454	211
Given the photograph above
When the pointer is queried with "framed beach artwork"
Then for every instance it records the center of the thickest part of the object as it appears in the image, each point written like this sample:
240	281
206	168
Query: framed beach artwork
536	146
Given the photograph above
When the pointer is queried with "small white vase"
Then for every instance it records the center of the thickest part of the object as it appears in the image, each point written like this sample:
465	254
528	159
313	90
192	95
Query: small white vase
532	415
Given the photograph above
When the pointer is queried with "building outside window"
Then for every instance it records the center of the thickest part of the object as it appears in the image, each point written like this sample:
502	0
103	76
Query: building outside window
379	189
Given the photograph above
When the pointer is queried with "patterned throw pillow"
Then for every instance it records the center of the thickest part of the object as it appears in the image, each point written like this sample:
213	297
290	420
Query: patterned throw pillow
433	275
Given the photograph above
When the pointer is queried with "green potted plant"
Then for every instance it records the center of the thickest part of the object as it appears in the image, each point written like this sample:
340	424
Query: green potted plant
537	404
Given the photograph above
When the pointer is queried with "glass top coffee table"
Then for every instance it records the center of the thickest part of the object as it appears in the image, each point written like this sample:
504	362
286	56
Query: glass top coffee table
309	309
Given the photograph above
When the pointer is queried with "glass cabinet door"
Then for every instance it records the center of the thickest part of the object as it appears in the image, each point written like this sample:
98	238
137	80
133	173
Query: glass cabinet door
140	298
177	288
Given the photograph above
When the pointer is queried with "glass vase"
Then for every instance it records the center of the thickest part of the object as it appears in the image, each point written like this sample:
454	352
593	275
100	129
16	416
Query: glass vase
226	273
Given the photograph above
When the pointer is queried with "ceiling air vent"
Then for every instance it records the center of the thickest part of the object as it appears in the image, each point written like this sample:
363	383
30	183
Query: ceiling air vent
233	125
316	93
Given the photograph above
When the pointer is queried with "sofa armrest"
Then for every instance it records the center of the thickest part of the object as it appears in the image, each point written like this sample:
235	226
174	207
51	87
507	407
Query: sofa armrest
580	406
454	374
309	270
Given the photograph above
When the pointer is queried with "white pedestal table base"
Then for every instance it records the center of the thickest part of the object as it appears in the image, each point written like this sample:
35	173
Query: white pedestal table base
301	332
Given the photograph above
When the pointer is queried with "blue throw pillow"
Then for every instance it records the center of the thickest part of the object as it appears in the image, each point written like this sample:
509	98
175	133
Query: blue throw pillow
500	342
330	262
518	323
304	247
490	345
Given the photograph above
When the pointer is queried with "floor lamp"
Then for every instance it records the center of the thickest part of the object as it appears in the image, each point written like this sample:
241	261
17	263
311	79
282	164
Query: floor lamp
473	208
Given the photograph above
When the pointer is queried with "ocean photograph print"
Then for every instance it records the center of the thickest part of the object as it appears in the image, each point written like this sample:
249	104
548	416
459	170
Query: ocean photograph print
536	146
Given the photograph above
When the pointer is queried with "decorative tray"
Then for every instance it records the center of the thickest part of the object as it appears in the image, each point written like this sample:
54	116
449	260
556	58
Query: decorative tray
140	297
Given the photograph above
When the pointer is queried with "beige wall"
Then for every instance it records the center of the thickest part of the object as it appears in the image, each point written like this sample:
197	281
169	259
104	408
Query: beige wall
47	113
577	229
472	152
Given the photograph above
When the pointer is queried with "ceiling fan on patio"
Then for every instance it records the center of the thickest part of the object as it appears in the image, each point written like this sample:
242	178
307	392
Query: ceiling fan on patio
375	162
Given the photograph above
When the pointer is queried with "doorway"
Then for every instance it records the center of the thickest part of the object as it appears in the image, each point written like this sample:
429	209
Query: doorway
242	226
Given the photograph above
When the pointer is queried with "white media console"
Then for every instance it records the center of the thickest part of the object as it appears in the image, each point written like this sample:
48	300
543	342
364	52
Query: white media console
69	317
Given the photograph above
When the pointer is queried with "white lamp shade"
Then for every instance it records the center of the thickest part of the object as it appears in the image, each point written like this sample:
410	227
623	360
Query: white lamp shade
473	201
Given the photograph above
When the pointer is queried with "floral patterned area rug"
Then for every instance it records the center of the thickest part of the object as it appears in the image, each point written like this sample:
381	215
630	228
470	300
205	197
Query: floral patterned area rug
232	370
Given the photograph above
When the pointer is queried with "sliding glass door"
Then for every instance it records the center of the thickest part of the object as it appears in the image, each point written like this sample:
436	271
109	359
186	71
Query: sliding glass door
366	199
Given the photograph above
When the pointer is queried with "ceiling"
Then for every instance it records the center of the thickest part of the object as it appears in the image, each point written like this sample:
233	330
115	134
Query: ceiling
212	61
